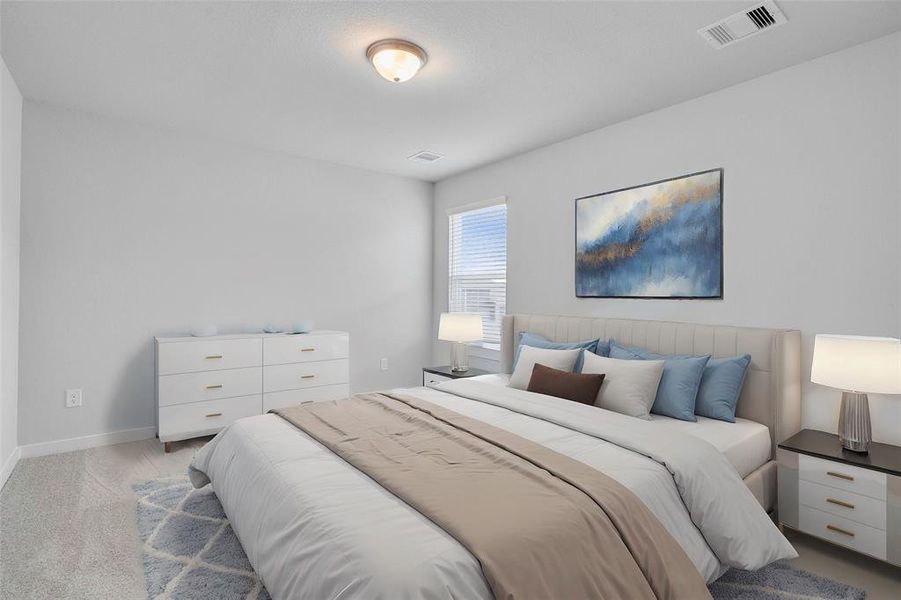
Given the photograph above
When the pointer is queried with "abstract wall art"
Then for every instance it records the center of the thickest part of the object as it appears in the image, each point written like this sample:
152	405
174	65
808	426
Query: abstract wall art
657	240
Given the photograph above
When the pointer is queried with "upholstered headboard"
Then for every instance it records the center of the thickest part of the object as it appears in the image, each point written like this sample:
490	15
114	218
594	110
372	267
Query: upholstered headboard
772	389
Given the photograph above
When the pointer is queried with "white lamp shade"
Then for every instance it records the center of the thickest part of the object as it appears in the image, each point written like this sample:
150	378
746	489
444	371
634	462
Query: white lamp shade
460	327
857	363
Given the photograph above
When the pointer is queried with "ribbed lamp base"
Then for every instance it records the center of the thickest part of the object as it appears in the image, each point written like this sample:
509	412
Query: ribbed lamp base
854	429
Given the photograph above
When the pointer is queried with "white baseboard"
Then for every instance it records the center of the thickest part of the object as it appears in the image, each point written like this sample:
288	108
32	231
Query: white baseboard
87	441
9	465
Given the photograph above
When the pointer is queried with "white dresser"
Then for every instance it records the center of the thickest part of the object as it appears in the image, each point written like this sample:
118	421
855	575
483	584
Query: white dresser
203	384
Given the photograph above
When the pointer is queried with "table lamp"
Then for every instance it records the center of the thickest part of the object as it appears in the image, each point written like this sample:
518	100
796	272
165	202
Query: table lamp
857	365
460	328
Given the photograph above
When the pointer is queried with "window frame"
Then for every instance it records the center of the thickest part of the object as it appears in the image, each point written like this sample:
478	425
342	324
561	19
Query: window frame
489	348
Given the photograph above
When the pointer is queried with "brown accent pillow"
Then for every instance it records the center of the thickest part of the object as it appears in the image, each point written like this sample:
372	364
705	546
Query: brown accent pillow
580	387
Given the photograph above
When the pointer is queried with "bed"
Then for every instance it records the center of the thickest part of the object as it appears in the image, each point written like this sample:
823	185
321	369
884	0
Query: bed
313	526
771	396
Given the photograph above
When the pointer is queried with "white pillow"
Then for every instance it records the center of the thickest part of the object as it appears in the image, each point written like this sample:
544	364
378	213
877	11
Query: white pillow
629	387
563	360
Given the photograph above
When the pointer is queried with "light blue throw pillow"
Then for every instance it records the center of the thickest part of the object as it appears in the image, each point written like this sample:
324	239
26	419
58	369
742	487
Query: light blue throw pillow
721	387
537	341
678	389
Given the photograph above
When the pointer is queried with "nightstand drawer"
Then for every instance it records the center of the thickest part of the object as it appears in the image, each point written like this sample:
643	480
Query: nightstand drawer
862	509
209	355
842	477
844	532
431	380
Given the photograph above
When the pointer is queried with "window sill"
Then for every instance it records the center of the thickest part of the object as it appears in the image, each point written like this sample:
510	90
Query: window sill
482	350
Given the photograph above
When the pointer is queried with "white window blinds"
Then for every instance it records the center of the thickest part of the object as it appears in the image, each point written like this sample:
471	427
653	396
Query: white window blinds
477	266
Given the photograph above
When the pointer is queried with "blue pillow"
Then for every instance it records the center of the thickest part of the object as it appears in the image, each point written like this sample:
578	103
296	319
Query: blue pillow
721	387
537	341
678	389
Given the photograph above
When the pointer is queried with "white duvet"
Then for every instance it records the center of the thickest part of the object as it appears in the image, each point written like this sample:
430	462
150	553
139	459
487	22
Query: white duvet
315	527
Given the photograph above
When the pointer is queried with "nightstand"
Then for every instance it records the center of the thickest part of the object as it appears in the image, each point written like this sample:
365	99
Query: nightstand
432	376
849	499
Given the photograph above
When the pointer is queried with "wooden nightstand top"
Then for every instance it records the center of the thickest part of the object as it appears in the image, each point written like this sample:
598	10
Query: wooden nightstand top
445	371
882	457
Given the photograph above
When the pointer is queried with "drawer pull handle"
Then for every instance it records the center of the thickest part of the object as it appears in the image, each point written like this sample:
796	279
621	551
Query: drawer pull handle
213	356
214	415
840	503
214	386
840	475
307	349
840	530
307	376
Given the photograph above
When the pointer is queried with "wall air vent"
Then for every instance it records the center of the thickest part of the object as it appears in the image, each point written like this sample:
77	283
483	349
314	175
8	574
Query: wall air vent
743	25
425	157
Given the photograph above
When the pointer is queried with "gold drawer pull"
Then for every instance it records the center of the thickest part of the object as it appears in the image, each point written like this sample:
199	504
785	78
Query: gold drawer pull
840	530
307	349
212	356
214	386
840	475
840	503
214	415
307	376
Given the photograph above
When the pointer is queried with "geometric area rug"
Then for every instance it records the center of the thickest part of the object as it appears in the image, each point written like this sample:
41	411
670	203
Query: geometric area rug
191	553
189	549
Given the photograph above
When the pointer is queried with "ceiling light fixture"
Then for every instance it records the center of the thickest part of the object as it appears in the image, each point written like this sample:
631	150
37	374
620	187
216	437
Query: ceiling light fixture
396	60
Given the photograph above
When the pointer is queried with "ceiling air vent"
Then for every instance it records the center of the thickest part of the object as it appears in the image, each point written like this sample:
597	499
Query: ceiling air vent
425	157
743	25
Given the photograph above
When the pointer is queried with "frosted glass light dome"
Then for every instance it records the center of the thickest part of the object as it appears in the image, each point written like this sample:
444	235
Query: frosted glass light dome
396	60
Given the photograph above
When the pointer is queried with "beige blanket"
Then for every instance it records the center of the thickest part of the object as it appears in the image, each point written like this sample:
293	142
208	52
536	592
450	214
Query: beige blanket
542	525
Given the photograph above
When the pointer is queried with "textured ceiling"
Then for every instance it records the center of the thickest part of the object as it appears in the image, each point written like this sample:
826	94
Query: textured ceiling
502	77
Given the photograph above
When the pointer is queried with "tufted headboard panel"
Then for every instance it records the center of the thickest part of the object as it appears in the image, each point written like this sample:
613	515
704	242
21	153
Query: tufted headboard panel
772	389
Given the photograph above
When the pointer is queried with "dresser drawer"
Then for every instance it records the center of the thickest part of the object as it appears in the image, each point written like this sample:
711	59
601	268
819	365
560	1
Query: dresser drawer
304	375
842	477
288	398
182	421
209	355
862	509
844	532
208	385
305	348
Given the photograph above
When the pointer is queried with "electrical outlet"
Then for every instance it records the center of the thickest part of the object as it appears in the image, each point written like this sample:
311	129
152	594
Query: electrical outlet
383	364
73	398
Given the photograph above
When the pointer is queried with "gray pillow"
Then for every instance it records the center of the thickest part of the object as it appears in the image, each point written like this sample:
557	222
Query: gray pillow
629	387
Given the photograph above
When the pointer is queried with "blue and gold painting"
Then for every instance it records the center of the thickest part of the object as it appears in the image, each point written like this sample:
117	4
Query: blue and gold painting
658	240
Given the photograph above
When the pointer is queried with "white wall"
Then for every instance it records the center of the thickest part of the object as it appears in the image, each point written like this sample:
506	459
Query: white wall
130	232
10	160
811	206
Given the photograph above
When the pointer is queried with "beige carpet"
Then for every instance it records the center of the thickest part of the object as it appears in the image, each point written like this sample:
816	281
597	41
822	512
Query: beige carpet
67	528
67	522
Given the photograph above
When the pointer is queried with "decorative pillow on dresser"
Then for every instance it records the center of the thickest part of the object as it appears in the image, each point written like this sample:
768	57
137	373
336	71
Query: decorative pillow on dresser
579	387
562	360
536	341
679	384
629	387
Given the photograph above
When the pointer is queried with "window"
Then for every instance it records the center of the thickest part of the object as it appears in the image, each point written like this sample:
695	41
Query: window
477	265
